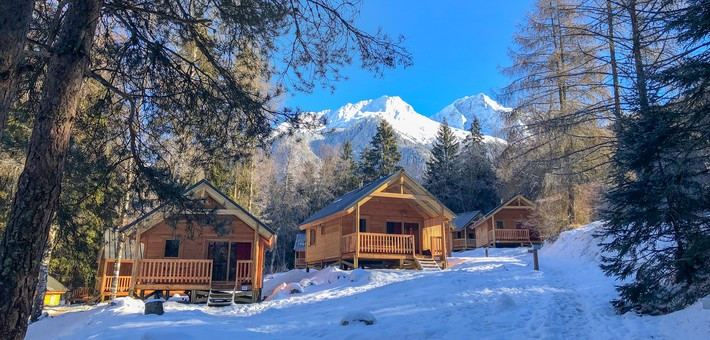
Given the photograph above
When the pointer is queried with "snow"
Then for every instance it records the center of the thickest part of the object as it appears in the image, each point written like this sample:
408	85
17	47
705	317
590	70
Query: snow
461	112
500	296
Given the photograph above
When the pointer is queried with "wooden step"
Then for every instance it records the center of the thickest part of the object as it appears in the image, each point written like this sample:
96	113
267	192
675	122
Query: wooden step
220	298
428	265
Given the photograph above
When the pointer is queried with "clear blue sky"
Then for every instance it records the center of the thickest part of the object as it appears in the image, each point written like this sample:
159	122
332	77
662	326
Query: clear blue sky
457	48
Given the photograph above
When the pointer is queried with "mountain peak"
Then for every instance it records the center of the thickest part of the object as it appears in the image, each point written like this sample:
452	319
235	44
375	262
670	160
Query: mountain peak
462	111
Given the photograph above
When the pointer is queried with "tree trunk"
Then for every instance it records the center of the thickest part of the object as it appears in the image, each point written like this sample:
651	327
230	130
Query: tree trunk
641	85
117	264
38	303
37	195
15	19
612	60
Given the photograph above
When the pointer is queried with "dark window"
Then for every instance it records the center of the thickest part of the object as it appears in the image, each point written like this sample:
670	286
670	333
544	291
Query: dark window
518	225
172	248
471	235
322	229
499	225
363	225
312	238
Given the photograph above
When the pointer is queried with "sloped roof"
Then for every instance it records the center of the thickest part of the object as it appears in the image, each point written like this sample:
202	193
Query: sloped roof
55	286
187	191
300	243
345	201
504	203
463	219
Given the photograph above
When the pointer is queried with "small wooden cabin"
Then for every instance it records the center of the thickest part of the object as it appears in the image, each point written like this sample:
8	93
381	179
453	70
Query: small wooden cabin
463	237
507	224
392	221
299	251
56	292
169	260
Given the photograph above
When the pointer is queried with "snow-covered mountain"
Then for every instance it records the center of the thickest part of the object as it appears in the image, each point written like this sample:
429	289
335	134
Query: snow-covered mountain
357	122
460	113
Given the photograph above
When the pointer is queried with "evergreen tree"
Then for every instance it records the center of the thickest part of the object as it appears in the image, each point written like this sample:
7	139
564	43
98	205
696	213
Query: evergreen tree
347	170
477	178
658	227
442	172
381	157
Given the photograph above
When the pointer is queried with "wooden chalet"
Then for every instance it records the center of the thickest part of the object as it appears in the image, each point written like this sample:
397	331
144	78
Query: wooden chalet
55	293
160	257
463	237
507	224
299	251
392	221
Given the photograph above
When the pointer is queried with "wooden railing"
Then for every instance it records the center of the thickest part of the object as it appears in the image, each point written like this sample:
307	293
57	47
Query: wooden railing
510	235
386	243
437	247
299	262
244	268
124	283
461	243
348	243
379	243
167	271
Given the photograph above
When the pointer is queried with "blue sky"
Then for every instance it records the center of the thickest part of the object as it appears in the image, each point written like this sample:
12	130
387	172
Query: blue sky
457	48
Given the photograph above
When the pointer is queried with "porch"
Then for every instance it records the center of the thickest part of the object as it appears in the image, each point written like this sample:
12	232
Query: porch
389	246
504	236
463	244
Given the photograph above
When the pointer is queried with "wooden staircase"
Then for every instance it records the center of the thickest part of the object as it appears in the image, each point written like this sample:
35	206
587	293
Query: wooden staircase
427	264
220	298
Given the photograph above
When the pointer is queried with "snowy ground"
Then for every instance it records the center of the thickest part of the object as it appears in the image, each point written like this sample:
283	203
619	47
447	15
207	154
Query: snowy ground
493	298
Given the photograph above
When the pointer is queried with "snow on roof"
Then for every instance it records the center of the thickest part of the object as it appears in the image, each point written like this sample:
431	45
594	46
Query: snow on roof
55	286
300	243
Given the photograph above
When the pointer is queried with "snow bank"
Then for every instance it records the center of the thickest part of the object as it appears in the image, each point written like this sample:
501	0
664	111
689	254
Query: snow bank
575	245
297	281
126	305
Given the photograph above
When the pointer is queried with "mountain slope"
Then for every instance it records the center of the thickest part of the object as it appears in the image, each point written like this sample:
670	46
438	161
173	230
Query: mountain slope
357	123
461	112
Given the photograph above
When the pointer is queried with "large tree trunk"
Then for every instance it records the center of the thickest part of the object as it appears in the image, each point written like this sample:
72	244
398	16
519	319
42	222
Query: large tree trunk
612	59
636	47
38	188
15	19
38	303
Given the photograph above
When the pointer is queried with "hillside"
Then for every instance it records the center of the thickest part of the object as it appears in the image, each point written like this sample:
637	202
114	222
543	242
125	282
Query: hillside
357	123
495	297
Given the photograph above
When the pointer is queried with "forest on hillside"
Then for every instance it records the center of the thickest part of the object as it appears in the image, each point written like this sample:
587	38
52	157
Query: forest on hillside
109	108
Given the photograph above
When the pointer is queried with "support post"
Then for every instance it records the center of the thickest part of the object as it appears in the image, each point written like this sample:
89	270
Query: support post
136	260
357	235
536	264
254	260
486	250
444	239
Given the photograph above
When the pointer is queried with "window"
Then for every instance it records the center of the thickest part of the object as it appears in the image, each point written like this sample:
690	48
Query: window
363	225
312	236
499	225
172	248
471	235
518	225
322	229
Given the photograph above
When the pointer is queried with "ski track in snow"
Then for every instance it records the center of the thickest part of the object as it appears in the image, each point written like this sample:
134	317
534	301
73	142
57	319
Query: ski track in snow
498	297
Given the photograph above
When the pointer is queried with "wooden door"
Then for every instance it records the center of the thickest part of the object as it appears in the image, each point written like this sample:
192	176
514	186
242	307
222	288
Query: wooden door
218	252
239	251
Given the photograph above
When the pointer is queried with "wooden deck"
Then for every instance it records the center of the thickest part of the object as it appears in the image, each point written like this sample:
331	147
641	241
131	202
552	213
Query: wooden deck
504	236
173	274
379	246
463	244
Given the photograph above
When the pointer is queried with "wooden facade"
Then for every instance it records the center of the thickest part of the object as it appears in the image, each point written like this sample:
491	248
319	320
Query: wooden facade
185	256
507	224
299	251
462	236
392	220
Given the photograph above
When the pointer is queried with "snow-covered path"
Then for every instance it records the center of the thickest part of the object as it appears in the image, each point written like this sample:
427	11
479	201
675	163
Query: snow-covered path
493	298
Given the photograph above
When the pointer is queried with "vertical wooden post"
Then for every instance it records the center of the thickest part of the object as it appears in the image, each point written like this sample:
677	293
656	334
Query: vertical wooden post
136	258
254	259
357	235
486	250
493	227
536	264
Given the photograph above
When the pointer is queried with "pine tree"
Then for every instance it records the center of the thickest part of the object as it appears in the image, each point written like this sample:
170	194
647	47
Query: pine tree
381	157
477	179
347	170
442	172
658	228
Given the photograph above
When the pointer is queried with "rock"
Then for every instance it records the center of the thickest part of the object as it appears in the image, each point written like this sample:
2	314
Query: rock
154	307
358	317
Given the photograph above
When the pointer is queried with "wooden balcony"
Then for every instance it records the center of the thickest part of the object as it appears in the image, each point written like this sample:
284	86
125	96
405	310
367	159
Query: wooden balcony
174	274
376	245
464	244
124	284
299	262
505	236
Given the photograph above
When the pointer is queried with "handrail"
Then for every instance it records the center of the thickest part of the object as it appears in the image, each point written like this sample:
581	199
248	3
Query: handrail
386	243
167	271
124	283
512	234
243	274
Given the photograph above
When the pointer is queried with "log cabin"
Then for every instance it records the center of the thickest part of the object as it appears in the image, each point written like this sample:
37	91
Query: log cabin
508	224
462	236
391	222
55	293
223	264
299	251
